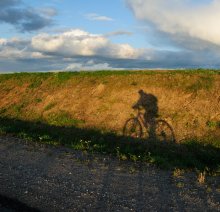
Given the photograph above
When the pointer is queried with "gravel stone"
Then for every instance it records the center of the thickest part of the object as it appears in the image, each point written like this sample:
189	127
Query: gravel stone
36	177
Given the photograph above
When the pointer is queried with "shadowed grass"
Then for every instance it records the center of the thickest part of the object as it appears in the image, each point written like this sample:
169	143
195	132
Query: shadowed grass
37	86
191	154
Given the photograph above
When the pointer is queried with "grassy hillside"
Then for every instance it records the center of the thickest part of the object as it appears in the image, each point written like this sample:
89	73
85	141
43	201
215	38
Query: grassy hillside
188	100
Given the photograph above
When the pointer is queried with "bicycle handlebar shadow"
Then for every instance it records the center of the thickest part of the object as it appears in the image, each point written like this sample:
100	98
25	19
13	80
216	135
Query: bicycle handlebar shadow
157	129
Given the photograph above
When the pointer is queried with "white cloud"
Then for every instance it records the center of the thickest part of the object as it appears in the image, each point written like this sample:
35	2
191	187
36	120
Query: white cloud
181	18
80	50
17	48
80	43
39	55
75	42
2	41
69	44
12	53
97	17
11	48
89	66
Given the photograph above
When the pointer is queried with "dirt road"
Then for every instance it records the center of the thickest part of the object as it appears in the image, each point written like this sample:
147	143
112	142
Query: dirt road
36	177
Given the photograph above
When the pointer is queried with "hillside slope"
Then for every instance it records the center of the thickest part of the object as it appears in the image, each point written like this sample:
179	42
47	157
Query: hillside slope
188	101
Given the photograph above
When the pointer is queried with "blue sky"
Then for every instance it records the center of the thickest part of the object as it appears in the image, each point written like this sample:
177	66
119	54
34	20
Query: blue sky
77	35
73	14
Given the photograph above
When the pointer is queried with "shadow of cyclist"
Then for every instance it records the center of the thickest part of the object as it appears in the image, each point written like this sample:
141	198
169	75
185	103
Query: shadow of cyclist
149	103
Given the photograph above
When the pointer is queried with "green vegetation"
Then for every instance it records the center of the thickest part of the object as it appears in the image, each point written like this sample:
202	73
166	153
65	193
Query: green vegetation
63	119
36	83
23	77
205	82
213	124
191	154
187	99
60	78
35	80
2	111
50	106
38	100
64	76
16	109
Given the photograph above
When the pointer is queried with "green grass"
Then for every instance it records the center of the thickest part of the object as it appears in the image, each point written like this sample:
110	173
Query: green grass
50	106
24	77
2	111
36	83
16	109
176	78
63	119
204	82
213	124
38	100
62	129
61	78
64	76
190	155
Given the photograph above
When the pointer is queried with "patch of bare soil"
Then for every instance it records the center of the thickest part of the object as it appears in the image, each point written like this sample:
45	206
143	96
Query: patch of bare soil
46	178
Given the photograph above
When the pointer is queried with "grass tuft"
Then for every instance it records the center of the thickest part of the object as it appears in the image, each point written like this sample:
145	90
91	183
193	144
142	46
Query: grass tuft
63	119
203	83
50	106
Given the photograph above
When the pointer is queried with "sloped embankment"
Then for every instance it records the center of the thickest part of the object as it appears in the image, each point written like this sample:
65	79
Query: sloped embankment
188	101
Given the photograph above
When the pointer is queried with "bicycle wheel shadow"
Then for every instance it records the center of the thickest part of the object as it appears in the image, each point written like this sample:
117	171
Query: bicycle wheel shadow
147	125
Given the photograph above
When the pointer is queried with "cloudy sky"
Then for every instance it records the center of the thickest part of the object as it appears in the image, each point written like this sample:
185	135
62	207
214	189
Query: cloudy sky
41	35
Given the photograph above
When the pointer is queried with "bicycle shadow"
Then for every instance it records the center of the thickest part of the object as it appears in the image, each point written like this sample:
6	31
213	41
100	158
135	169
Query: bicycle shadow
146	124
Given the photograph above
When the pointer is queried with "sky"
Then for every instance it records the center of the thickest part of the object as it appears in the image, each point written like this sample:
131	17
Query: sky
69	35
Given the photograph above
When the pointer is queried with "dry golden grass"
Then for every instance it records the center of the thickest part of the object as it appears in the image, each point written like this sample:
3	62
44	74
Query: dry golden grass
186	101
201	177
178	172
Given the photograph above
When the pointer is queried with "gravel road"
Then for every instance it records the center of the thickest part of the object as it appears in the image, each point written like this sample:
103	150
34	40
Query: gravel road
35	177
